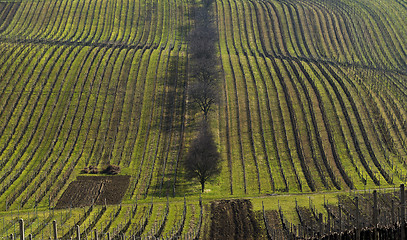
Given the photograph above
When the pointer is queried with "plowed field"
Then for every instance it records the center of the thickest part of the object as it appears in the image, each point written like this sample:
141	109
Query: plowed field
94	189
233	219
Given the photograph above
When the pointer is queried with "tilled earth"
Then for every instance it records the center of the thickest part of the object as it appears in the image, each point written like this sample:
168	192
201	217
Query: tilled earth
86	190
233	219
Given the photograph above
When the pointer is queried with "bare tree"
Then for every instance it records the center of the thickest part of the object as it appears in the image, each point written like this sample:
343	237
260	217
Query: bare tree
203	159
203	90
204	95
201	42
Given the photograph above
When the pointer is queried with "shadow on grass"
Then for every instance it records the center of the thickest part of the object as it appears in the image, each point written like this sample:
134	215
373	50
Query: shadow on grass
181	188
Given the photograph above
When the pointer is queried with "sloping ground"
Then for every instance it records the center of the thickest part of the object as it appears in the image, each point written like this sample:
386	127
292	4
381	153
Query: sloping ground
151	220
356	213
233	219
313	94
99	190
91	83
312	97
7	12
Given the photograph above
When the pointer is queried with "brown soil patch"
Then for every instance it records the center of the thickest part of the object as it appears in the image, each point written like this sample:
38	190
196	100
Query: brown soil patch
233	219
273	219
94	189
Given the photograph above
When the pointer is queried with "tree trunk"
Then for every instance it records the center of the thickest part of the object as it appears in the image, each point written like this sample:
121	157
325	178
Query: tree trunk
205	116
202	186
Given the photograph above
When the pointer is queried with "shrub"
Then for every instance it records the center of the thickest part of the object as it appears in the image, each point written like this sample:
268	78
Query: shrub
203	159
93	170
90	170
85	170
112	169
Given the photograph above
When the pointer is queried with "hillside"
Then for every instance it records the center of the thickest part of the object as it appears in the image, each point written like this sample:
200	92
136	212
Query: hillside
312	96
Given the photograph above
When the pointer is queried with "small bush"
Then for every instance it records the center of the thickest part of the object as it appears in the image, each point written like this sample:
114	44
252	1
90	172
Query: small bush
93	170
112	169
90	170
85	170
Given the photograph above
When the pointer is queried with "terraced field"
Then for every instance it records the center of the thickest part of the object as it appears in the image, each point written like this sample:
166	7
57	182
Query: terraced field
312	98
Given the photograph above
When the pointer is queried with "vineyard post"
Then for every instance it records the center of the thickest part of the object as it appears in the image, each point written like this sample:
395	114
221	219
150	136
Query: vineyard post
12	236
85	230
54	224
21	222
340	215
375	212
108	236
402	211
329	223
96	234
78	233
357	218
320	226
30	236
392	211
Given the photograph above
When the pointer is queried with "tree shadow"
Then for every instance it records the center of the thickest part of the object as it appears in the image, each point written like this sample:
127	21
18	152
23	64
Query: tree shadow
181	188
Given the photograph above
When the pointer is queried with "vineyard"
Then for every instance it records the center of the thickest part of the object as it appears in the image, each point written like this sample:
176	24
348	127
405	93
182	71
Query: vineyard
312	95
312	98
152	220
362	215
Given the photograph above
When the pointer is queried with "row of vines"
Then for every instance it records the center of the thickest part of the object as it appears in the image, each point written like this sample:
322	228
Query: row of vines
367	215
156	220
313	94
91	83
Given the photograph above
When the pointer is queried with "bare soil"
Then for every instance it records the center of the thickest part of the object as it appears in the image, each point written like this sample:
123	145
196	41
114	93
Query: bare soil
274	222
233	219
88	190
